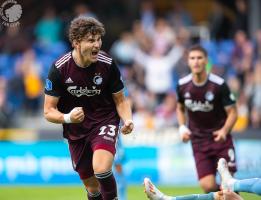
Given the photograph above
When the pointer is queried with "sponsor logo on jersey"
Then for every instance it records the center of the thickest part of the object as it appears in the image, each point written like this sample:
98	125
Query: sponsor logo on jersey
83	91
97	80
198	105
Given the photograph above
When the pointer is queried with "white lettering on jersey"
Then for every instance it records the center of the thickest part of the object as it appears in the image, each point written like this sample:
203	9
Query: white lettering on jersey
83	91
198	105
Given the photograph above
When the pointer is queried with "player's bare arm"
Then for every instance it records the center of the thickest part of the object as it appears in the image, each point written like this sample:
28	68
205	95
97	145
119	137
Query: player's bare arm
221	134
52	114
184	132
124	110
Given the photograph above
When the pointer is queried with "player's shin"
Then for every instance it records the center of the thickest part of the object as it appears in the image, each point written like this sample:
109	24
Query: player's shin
252	185
108	185
209	196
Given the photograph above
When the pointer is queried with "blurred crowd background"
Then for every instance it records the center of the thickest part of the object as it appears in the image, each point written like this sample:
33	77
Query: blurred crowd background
148	40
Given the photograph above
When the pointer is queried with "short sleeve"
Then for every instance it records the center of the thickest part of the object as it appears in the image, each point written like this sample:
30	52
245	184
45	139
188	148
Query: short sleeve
53	83
228	98
180	98
115	82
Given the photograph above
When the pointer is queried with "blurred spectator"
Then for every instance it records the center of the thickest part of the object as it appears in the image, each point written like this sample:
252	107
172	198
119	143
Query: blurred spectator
147	15
83	9
123	50
158	69
257	45
241	17
14	40
242	56
219	21
48	30
30	70
256	96
242	119
162	37
141	37
178	17
143	104
5	108
166	112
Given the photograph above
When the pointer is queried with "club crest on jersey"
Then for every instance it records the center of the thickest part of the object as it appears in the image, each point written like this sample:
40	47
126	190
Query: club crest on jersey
97	79
209	96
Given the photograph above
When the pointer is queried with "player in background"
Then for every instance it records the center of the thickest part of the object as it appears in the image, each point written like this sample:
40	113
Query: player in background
118	170
206	114
229	187
84	92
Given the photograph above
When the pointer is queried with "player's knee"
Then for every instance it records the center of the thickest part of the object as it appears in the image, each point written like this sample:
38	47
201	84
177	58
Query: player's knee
98	169
208	187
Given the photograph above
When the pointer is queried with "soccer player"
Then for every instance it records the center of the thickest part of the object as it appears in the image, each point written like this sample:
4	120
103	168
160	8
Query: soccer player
229	187
252	185
154	194
206	105
118	170
84	92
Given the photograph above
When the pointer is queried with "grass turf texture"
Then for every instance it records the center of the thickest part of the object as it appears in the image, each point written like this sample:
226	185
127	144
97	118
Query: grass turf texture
78	193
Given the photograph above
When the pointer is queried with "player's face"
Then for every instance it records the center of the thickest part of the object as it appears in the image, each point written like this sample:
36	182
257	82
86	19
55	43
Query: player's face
89	47
197	62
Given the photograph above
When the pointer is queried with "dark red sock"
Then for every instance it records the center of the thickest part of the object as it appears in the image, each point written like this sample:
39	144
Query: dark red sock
108	185
94	196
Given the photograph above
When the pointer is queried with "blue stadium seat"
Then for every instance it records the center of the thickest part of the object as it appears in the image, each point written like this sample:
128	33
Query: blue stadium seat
212	49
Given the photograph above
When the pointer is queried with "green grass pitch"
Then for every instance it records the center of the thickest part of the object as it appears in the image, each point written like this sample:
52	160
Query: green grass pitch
78	193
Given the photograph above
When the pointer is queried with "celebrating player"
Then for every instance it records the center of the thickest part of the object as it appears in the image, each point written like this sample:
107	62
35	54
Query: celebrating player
84	92
207	106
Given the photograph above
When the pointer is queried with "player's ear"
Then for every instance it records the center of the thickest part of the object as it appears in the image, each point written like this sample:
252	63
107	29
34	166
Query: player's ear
75	44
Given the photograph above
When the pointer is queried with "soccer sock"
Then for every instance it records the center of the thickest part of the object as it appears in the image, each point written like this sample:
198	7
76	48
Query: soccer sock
209	196
108	185
252	185
94	196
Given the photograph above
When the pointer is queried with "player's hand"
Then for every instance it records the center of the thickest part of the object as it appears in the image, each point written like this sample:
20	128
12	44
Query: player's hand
77	115
229	195
184	133
185	137
218	195
127	127
220	135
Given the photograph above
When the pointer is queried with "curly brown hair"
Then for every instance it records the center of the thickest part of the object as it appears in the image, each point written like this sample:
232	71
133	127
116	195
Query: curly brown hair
82	26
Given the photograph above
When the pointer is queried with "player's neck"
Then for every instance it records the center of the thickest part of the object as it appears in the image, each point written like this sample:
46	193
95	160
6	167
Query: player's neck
79	60
200	78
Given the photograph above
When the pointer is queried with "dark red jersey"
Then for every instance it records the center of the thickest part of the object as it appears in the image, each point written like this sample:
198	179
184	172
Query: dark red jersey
205	104
91	88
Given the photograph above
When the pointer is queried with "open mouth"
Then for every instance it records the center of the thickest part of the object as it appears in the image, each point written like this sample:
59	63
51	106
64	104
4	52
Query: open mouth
95	53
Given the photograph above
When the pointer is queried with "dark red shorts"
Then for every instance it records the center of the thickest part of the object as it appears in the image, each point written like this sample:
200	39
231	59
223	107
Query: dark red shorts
207	154
82	150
